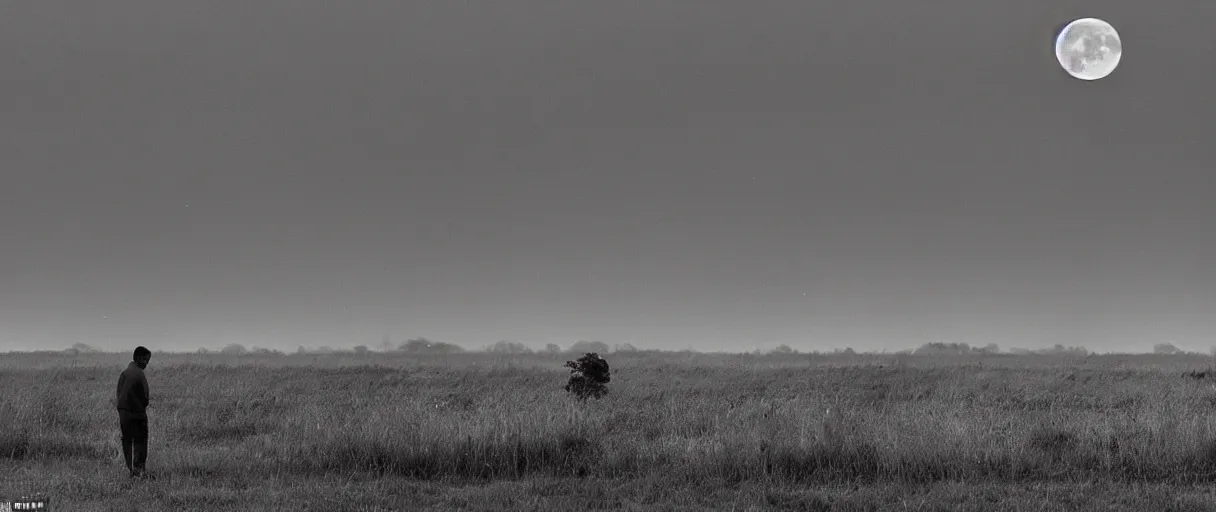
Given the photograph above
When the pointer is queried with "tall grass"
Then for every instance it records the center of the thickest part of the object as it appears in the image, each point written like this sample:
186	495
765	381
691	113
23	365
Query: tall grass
688	417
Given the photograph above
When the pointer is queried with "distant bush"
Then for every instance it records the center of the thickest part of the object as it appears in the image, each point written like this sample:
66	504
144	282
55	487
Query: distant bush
588	376
1061	350
552	348
597	347
1165	348
234	349
508	347
944	349
81	348
425	346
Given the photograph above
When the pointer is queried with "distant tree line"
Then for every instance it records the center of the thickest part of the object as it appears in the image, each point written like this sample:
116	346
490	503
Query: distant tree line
507	347
236	349
413	346
578	347
940	348
1055	350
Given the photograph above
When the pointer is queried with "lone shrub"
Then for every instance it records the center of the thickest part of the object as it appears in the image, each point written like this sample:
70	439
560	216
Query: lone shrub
588	376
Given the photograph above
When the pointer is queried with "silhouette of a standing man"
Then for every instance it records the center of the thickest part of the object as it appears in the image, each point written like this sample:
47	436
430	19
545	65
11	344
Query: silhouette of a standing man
132	412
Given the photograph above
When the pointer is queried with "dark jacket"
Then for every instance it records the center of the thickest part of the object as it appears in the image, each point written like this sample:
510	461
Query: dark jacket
133	391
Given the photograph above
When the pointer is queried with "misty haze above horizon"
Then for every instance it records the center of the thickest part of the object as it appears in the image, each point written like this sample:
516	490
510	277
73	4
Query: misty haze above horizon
712	175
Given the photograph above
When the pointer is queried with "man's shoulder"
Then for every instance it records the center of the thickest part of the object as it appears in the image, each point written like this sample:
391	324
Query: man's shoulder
133	371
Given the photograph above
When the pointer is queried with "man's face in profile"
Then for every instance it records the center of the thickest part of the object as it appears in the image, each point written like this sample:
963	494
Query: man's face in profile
142	361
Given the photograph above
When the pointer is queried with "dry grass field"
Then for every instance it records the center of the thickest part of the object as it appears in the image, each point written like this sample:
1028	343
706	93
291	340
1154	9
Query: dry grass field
678	431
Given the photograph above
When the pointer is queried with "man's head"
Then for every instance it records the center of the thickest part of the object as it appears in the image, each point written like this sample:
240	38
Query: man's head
141	357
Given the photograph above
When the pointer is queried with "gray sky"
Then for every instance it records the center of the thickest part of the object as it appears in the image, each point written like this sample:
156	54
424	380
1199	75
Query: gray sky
710	174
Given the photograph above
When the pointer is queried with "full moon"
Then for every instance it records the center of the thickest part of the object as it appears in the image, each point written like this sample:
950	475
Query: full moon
1089	48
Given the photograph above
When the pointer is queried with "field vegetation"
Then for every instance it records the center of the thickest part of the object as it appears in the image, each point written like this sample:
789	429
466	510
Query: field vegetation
493	431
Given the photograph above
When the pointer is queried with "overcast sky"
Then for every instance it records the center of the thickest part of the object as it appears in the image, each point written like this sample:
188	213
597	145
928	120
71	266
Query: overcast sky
714	174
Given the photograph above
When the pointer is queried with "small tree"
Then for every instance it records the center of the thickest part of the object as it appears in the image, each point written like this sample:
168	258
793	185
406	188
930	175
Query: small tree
588	376
552	348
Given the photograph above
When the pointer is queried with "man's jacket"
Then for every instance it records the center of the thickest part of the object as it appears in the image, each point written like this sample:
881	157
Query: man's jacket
133	391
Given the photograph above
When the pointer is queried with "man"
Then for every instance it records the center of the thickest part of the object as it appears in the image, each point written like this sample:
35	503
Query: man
132	412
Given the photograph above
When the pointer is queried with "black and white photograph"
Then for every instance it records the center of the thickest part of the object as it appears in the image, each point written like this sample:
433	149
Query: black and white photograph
564	255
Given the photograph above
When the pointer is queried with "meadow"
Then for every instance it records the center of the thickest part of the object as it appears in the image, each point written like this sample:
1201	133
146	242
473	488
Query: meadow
677	431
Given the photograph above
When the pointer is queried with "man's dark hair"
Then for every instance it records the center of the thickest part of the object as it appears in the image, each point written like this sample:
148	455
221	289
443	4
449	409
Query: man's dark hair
141	352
